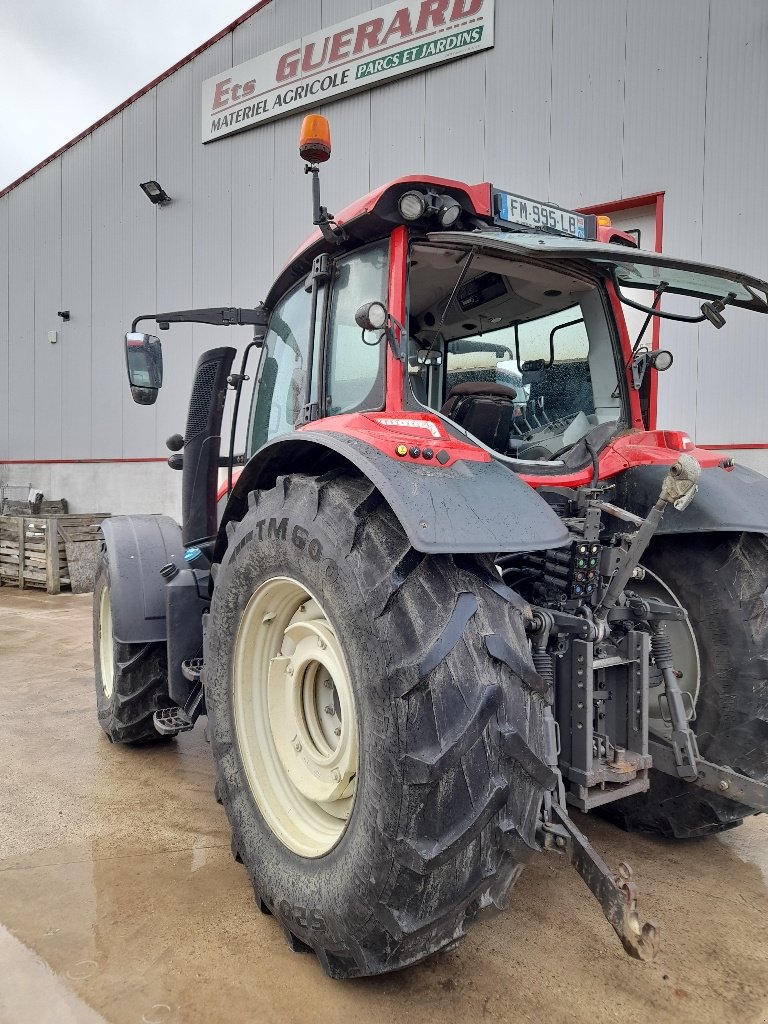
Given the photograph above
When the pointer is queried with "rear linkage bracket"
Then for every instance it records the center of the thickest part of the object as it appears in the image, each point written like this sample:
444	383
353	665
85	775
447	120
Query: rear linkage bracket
616	893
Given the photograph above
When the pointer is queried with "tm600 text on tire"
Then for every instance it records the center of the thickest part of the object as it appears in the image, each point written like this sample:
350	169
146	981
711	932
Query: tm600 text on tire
722	581
381	770
131	679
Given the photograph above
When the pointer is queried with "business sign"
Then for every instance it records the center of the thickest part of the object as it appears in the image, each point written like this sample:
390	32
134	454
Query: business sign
360	53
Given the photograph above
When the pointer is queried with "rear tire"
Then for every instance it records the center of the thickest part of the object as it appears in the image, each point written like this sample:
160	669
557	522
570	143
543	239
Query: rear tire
131	679
721	580
450	740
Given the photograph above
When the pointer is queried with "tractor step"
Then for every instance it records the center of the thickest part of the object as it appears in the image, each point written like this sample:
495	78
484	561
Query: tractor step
172	721
192	669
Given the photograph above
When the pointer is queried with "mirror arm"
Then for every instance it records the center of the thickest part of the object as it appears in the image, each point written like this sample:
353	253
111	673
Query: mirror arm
650	310
217	316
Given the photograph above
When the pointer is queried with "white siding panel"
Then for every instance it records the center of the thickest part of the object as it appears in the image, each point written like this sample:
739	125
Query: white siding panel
177	133
255	36
76	382
665	106
587	100
397	130
212	205
348	175
140	218
454	132
732	406
664	150
5	377
296	18
518	100
21	321
47	361
108	327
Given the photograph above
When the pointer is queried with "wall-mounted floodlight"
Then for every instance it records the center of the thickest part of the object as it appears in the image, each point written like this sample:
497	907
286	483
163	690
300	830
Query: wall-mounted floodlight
155	192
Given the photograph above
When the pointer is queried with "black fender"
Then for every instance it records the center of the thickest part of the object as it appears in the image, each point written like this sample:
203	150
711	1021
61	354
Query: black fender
137	548
733	500
468	507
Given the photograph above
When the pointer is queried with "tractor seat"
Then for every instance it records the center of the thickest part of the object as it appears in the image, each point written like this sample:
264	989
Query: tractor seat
484	409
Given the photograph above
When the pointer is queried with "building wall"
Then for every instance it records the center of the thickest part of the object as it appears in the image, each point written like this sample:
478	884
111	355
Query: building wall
579	103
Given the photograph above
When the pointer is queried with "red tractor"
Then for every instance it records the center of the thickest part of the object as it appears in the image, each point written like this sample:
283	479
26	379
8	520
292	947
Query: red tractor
446	598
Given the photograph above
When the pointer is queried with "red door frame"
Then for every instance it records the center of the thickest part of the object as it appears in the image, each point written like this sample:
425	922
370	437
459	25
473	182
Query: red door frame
655	199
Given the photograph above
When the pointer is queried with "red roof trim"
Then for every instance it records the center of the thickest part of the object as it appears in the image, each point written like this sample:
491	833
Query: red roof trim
137	95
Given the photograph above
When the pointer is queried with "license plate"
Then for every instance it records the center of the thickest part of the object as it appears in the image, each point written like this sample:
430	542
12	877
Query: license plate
514	209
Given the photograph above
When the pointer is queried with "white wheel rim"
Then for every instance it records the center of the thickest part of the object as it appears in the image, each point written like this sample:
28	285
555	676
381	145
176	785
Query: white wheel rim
106	643
685	652
295	717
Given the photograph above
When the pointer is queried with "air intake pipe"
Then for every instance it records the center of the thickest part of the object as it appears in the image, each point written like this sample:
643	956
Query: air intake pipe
202	443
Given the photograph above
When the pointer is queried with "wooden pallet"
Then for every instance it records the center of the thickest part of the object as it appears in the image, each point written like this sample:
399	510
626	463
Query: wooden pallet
33	548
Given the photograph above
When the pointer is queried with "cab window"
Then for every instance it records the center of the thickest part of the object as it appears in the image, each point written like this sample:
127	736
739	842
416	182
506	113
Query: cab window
354	367
280	390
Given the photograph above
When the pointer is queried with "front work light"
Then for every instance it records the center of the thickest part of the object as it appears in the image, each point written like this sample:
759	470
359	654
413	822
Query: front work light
315	139
449	212
416	205
413	205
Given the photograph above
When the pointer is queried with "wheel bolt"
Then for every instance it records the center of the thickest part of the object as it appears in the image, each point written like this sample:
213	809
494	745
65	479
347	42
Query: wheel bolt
723	785
297	746
328	709
337	731
328	684
321	643
336	775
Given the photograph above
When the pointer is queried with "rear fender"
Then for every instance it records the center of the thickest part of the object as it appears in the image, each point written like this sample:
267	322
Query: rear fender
137	548
729	500
461	508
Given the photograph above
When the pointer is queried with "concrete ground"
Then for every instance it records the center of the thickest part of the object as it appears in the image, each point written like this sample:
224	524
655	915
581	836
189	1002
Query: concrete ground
120	902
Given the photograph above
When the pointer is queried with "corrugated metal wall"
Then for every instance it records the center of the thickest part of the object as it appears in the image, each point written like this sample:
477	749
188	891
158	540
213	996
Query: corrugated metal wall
579	102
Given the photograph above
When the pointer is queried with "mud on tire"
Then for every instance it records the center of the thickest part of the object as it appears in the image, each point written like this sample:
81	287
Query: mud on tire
451	739
722	581
125	705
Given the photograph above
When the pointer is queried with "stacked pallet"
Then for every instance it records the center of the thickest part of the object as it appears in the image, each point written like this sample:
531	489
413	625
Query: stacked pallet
33	549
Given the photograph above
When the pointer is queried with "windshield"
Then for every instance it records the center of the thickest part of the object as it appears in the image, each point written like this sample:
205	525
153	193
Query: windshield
518	355
633	268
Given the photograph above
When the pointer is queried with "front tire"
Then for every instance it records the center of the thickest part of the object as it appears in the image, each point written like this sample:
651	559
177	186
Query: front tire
131	679
443	765
721	580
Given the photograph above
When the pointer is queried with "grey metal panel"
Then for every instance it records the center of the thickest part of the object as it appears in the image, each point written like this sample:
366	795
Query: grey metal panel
76	384
5	378
108	325
211	204
733	367
140	254
177	136
518	98
665	100
255	36
47	360
664	113
397	130
296	18
454	130
587	100
21	324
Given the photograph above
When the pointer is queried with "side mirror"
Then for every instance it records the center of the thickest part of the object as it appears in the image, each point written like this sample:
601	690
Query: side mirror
144	360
